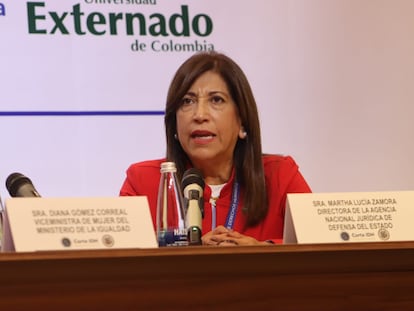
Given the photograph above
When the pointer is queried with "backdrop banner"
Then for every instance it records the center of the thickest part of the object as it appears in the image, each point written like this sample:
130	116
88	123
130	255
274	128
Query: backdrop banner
83	86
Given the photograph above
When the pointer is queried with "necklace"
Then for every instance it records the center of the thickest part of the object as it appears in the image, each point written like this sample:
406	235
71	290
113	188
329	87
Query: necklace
215	194
231	215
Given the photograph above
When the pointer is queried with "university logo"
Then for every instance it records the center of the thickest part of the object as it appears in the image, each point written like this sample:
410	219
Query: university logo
95	23
182	31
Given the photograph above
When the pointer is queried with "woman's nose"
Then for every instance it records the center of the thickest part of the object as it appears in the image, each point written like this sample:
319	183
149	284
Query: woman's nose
202	110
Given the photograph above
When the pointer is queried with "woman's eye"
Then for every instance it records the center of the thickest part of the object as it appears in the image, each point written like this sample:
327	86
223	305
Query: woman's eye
217	100
187	101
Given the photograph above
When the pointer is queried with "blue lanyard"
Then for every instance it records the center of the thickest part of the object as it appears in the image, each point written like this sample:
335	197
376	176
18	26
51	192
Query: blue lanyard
231	216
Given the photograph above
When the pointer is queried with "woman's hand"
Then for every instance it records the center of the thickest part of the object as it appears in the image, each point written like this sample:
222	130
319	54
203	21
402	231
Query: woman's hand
221	236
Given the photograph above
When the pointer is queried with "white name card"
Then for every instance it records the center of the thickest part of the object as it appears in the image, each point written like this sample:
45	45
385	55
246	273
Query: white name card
349	217
36	224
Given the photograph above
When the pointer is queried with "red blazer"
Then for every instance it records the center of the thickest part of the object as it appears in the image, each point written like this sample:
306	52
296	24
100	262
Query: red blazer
281	174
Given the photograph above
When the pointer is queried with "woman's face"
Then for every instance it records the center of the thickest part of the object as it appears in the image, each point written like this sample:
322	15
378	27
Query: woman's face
208	123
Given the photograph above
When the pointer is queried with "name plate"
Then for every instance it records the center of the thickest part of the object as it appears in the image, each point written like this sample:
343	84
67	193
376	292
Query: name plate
38	224
349	217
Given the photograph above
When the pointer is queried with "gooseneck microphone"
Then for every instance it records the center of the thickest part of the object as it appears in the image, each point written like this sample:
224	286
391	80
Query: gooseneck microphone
192	186
19	185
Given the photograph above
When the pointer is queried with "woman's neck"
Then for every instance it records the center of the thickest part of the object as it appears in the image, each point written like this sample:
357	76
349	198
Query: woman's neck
216	174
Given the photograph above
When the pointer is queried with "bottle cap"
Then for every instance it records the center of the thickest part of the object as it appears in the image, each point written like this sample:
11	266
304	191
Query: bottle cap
168	167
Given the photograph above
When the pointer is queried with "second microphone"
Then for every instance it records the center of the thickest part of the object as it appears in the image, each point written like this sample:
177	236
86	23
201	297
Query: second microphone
192	186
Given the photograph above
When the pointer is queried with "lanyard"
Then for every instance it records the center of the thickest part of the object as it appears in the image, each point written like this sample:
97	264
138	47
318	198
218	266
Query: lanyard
231	216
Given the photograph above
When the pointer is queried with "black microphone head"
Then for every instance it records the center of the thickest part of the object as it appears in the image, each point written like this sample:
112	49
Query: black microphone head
14	183
192	176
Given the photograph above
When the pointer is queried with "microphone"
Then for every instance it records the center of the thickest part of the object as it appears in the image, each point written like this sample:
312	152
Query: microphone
19	185
192	186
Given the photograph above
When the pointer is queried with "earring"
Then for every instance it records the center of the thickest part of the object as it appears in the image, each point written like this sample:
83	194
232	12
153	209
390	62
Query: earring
243	135
175	136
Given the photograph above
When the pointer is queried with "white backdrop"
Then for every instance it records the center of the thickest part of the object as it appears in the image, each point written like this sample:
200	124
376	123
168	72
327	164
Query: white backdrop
333	80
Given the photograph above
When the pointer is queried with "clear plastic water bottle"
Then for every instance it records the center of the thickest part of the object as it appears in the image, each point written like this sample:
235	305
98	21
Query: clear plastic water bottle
171	223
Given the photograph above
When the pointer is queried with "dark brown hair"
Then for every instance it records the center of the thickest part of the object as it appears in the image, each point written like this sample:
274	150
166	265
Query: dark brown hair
247	156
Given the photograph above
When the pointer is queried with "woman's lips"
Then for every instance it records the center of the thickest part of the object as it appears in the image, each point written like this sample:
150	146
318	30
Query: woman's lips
202	136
